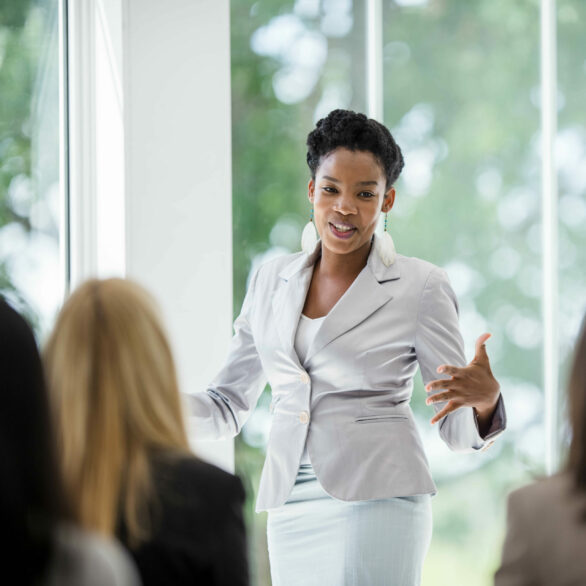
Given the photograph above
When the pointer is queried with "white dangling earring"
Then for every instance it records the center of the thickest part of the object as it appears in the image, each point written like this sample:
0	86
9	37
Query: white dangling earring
309	236
385	247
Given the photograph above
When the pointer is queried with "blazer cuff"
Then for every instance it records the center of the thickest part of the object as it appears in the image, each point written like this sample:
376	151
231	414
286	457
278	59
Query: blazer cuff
498	423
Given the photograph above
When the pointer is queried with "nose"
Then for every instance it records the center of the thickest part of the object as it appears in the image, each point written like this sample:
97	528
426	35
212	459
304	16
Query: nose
344	205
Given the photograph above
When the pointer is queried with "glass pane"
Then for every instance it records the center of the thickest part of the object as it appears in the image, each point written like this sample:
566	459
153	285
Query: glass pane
461	87
30	270
292	62
571	161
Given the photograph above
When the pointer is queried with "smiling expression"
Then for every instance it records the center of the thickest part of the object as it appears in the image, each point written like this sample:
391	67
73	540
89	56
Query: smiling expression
348	195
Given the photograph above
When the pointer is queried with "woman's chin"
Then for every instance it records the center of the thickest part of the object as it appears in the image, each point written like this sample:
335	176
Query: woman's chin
340	246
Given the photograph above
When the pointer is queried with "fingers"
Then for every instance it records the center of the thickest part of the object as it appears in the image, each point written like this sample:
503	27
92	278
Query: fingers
448	369
439	397
449	408
480	351
442	383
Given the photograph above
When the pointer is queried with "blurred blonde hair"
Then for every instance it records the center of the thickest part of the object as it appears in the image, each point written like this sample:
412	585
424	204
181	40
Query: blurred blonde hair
114	394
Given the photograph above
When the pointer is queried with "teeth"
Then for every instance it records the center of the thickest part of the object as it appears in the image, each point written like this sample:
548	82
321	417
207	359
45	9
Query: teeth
343	228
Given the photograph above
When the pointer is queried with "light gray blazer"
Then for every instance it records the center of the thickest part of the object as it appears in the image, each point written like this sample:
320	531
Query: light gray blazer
351	401
546	542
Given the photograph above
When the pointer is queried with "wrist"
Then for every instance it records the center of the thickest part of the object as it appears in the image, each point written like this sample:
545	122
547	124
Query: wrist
486	411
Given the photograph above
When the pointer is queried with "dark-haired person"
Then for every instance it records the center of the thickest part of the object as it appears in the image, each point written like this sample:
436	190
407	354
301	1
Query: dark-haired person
41	545
338	331
546	535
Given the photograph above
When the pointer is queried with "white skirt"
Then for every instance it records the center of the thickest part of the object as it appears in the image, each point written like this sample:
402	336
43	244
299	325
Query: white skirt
315	539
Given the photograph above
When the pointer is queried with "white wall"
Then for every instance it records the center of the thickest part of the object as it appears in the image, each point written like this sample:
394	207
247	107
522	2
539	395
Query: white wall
151	166
178	174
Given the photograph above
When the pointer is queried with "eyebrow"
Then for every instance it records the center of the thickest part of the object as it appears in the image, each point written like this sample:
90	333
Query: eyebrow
358	183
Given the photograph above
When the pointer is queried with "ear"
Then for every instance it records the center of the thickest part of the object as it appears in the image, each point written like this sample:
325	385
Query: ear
311	190
388	200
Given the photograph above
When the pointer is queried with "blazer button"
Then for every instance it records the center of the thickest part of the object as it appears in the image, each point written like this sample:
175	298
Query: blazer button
304	378
304	417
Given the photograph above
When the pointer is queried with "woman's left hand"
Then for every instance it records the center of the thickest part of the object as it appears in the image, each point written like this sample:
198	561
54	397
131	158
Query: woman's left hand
468	386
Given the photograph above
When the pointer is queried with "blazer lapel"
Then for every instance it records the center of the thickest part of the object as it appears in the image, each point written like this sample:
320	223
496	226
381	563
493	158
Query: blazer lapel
361	299
289	299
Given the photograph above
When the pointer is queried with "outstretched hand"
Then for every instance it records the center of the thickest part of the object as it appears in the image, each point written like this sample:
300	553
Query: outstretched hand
468	386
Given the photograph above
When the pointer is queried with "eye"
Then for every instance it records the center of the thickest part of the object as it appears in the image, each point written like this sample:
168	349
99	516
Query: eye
366	194
329	189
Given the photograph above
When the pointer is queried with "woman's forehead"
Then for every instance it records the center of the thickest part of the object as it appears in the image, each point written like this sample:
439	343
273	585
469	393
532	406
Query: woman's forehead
345	165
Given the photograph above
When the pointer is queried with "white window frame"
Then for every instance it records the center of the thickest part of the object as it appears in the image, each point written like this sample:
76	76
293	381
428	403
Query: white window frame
549	214
174	229
150	162
549	223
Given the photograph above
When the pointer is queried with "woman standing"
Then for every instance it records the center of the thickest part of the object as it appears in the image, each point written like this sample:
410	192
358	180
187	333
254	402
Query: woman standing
338	331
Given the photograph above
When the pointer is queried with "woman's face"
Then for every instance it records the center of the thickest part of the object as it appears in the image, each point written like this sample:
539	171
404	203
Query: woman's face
348	195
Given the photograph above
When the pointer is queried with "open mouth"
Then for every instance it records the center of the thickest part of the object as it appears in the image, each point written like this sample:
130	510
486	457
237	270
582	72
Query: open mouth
343	231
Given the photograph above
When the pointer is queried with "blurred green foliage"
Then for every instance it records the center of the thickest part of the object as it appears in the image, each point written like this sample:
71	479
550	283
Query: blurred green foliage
461	96
23	26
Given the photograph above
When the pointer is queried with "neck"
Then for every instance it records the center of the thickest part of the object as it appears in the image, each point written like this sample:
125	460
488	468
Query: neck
343	266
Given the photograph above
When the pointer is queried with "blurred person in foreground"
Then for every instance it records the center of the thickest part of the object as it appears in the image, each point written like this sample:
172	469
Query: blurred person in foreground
42	545
545	543
123	446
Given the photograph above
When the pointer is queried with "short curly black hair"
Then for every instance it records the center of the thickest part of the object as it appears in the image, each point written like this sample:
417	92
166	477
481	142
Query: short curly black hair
356	132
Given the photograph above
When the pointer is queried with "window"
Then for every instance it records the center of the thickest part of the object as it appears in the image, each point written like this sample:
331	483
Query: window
292	62
32	229
462	94
571	164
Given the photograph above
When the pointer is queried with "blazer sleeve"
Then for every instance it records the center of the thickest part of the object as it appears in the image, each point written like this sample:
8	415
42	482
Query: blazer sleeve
223	408
518	566
438	341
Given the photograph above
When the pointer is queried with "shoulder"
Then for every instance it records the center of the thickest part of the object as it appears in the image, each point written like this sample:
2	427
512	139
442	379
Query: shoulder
86	558
192	476
267	275
272	267
419	269
542	493
195	502
560	505
16	335
418	265
546	517
424	280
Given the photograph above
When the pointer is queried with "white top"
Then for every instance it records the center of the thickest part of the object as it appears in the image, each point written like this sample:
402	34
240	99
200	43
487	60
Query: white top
306	331
305	334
